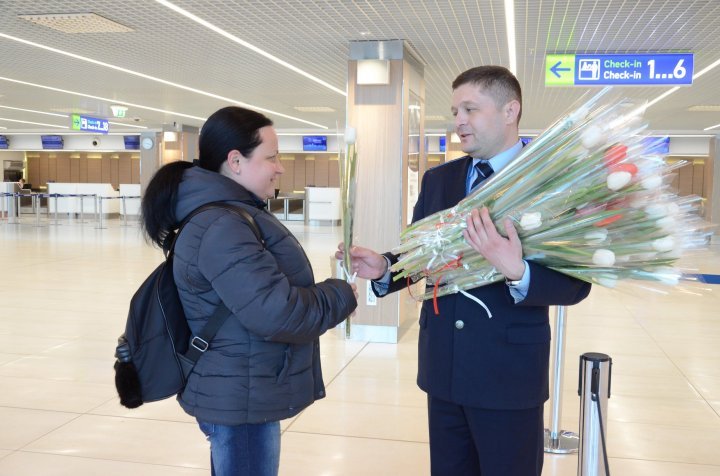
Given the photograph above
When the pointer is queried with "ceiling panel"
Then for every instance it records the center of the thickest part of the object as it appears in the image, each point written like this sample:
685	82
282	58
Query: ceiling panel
448	36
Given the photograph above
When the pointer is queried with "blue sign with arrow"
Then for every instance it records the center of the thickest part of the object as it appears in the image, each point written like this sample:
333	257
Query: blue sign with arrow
658	69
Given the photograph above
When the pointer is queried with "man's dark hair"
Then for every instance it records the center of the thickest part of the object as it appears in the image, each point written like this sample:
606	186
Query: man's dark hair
498	81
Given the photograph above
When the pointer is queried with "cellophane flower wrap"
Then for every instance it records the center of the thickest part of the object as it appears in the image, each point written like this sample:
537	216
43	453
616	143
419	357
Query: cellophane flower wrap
348	183
589	198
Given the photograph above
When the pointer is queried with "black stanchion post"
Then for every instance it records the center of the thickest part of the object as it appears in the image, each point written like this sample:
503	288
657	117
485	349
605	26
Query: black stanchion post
594	391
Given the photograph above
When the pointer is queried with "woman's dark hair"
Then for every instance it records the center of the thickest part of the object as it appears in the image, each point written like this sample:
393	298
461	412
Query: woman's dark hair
230	128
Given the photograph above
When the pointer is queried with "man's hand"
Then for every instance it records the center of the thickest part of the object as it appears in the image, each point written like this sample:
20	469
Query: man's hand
365	262
503	253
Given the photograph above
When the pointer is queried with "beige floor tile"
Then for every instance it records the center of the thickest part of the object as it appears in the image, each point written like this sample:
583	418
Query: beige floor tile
653	387
48	394
24	463
405	369
388	422
5	358
671	412
22	426
664	349
60	368
326	455
707	385
663	443
376	390
636	467
128	439
28	344
165	410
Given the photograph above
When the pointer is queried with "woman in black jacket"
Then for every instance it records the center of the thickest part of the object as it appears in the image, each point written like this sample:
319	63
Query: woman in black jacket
264	363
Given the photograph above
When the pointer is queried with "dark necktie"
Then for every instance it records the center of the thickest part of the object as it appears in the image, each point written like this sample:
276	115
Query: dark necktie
484	170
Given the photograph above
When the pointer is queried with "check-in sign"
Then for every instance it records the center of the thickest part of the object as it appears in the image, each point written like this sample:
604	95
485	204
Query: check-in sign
659	69
89	124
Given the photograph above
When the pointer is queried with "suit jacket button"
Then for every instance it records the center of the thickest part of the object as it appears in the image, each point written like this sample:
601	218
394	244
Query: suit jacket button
459	324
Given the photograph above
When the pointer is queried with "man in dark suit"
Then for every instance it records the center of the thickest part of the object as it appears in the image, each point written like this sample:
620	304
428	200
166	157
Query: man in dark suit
486	377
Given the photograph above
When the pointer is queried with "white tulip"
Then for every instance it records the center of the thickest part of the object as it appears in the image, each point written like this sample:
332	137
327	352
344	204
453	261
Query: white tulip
666	243
596	236
673	209
651	182
350	135
667	224
531	220
592	136
656	210
603	257
618	180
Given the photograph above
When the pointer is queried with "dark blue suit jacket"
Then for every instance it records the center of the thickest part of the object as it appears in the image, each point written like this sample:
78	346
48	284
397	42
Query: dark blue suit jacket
494	363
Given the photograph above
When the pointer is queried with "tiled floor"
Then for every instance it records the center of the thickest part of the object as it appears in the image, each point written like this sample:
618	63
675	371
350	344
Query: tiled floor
63	300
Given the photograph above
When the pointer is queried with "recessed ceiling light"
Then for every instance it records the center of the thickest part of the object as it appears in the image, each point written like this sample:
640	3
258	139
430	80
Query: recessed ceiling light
364	33
314	109
705	108
77	23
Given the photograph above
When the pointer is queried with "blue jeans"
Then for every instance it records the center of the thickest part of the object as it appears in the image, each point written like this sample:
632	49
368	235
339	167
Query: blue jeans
243	450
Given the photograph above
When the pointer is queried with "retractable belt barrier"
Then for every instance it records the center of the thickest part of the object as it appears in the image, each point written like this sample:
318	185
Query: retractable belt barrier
10	206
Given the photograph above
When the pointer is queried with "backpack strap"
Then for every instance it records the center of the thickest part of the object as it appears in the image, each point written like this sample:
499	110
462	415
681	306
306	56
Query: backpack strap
201	342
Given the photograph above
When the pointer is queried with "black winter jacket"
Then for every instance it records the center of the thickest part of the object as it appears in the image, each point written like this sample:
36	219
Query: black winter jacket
264	363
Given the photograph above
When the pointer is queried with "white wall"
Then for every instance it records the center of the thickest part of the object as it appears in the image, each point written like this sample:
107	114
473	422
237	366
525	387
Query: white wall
71	142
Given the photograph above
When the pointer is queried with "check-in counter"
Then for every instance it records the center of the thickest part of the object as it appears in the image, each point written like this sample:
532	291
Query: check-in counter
132	205
72	204
322	204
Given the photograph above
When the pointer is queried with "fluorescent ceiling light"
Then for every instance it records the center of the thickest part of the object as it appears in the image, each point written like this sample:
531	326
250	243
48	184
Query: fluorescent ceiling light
152	78
33	111
66	116
705	108
712	127
670	91
250	46
510	27
314	109
34	123
127	125
50	88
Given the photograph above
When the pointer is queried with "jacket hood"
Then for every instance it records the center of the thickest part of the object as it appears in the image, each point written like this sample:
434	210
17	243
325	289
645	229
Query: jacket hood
200	186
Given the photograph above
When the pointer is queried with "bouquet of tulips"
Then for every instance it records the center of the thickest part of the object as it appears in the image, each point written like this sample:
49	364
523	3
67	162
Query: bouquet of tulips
589	198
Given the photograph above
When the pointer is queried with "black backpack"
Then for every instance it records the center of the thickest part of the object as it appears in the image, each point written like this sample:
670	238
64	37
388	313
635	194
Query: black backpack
157	351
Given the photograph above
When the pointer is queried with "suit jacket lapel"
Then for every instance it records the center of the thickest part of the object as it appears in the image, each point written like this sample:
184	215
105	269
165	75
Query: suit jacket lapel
455	190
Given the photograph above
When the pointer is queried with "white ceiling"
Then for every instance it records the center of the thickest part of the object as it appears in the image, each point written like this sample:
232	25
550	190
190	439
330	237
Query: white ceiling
313	35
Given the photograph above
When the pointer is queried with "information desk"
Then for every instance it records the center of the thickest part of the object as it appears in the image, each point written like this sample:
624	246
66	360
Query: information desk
72	204
322	203
132	202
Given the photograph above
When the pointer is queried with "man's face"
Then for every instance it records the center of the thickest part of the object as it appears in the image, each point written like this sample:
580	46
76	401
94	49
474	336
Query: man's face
484	129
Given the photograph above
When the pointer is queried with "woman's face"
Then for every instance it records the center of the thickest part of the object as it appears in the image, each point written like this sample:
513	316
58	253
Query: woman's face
260	172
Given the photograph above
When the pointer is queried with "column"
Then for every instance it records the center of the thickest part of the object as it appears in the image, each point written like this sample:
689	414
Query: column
711	185
386	105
